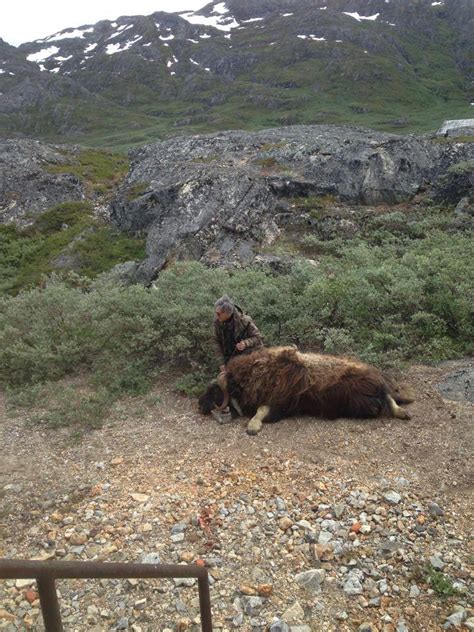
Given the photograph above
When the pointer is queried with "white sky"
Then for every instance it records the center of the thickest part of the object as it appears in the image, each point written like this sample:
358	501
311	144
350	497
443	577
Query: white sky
28	20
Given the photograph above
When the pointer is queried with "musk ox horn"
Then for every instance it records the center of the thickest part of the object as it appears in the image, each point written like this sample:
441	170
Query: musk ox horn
222	384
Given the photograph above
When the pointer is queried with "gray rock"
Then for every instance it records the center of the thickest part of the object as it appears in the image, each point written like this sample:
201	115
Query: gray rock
312	580
392	497
27	186
469	624
252	605
435	509
294	613
353	583
414	591
279	626
456	619
122	624
151	558
300	628
221	212
436	562
458	385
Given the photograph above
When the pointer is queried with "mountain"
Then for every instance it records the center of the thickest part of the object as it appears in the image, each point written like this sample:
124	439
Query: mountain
394	65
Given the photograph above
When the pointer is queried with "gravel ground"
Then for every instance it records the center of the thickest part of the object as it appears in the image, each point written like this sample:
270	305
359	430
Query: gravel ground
312	525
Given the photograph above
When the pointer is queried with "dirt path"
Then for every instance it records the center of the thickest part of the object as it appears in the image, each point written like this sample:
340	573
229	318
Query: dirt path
71	499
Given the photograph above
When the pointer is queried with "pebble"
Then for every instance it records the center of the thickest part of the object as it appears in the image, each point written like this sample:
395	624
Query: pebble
279	626
312	580
392	497
294	613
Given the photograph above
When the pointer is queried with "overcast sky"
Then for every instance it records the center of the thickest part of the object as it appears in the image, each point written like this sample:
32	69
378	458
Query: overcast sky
28	20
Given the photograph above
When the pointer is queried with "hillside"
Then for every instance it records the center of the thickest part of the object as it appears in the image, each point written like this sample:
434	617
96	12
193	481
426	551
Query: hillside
394	66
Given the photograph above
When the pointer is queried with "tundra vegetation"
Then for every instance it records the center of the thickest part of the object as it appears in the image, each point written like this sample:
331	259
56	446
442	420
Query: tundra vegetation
400	291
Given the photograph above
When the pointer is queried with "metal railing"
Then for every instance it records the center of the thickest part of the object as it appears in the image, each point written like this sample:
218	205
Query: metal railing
46	574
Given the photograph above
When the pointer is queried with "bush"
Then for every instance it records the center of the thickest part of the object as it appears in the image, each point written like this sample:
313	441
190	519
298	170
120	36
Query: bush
385	304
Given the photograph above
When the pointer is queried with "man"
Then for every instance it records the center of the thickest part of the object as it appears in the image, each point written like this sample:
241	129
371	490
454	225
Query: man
235	332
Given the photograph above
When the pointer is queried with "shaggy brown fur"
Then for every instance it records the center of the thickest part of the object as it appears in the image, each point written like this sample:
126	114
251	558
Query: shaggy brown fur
290	382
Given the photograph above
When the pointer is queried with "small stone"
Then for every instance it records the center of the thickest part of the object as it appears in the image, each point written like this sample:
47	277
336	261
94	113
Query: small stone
469	624
177	537
140	498
285	523
279	626
265	590
367	627
435	509
352	585
294	613
252	605
414	591
392	497
436	562
300	628
456	619
151	558
117	460
184	581
23	583
342	615
122	624
6	616
31	595
78	539
339	510
312	580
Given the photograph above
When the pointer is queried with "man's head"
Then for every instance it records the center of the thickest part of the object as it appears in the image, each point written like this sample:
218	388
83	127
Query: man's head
223	308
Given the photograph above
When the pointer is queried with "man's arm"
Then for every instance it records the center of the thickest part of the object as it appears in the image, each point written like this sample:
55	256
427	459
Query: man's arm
253	337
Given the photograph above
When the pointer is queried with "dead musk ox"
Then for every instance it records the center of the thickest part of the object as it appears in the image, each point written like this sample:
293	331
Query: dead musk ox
279	382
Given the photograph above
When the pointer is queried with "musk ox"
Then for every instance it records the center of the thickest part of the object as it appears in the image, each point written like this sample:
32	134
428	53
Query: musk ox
278	382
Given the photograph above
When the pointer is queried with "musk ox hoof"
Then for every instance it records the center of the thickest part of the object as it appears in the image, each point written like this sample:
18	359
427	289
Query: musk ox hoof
402	414
254	426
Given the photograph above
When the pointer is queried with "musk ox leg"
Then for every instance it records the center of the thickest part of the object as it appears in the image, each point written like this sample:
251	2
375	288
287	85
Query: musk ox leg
255	424
395	409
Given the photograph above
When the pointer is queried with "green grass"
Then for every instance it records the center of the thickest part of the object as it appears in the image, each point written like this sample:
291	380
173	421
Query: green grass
70	228
101	171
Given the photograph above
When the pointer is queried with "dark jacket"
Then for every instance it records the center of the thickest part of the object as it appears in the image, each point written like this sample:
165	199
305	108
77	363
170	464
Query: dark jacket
239	328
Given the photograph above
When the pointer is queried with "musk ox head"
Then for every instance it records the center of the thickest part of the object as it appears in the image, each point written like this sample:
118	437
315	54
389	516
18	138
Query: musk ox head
216	396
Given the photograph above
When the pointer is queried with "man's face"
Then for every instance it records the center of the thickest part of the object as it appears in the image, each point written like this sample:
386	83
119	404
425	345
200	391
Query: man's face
222	316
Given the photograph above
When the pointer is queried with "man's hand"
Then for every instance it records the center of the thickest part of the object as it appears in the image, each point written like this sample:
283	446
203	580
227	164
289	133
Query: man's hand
240	346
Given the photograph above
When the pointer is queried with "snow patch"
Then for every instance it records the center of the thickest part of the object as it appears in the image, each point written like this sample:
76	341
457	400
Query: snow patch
218	21
43	54
120	30
115	48
312	37
220	8
166	38
252	20
285	15
90	47
359	17
63	58
66	35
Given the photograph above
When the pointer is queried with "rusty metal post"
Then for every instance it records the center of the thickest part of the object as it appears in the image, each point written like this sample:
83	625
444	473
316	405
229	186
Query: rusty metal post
49	603
205	603
46	573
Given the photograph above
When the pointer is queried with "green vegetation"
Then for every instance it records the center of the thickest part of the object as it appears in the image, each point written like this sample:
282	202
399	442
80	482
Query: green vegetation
100	170
440	583
408	297
67	237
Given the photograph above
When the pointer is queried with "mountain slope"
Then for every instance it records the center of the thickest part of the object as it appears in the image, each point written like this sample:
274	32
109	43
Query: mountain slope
390	64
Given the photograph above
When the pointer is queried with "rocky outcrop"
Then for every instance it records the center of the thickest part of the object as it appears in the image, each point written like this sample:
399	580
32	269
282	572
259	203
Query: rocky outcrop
220	197
28	185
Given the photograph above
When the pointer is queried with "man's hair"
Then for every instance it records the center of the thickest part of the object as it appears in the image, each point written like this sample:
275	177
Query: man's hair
224	304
